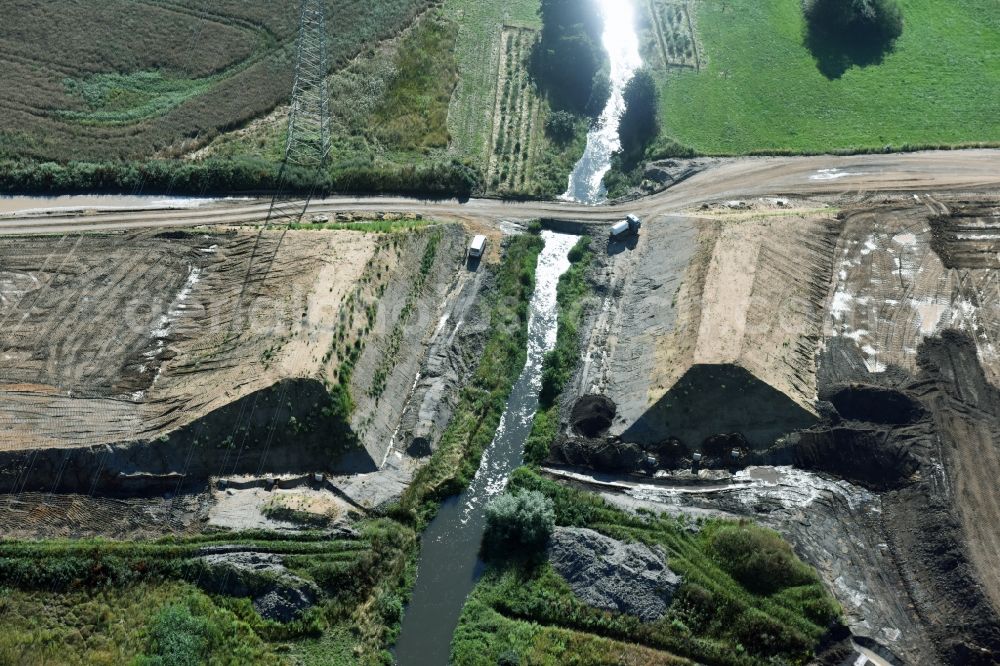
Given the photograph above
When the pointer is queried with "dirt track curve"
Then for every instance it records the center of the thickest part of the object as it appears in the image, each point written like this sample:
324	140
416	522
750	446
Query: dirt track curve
800	176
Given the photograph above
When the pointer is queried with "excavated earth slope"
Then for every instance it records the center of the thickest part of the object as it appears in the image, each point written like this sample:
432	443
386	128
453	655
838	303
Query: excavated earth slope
710	311
173	353
736	306
867	329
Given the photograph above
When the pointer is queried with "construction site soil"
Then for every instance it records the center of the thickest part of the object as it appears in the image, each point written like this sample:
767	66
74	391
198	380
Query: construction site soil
822	359
852	337
142	363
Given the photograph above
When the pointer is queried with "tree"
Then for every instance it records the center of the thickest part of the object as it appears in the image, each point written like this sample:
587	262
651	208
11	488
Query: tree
560	126
568	58
842	33
639	125
519	524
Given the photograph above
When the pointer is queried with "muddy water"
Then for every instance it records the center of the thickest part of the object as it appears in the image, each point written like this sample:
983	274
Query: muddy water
449	548
621	41
28	204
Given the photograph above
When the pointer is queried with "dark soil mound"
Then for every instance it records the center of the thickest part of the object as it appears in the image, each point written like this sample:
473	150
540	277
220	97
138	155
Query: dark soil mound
718	446
609	455
671	451
876	404
964	627
877	458
593	414
951	360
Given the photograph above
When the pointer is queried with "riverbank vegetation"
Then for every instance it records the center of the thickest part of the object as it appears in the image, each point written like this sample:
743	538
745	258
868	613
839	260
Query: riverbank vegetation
561	362
638	130
482	401
569	61
745	598
94	601
639	125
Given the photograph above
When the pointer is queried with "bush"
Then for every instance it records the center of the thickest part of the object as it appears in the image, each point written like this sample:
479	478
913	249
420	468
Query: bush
561	126
759	559
179	638
509	658
519	524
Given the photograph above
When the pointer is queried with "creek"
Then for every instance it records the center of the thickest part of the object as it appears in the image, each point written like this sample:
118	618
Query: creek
449	548
449	563
621	41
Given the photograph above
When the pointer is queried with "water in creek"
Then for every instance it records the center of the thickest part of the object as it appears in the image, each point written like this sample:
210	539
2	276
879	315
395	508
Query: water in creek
621	41
449	547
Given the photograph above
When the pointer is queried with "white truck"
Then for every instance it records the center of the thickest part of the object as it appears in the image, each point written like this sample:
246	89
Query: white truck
477	247
628	227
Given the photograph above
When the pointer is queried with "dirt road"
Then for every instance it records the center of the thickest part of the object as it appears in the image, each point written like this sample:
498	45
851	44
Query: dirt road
776	176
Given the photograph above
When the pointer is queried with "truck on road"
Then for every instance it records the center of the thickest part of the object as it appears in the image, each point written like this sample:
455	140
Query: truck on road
628	227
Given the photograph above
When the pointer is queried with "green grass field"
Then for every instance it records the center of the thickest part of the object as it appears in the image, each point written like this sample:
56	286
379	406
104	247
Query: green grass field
151	602
762	90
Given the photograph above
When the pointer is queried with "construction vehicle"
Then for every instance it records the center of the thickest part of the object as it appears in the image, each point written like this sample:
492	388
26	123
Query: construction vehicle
477	247
628	227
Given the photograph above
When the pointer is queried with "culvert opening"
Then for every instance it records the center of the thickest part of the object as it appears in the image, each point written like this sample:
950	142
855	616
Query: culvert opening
420	447
875	404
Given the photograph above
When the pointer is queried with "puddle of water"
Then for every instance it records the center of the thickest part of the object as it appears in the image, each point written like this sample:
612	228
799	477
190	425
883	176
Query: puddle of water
29	204
449	548
586	183
832	174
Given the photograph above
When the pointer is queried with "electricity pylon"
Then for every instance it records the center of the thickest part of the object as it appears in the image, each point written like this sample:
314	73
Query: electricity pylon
308	142
307	145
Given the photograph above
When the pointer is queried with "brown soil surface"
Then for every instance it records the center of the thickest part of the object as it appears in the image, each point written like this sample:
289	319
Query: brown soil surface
115	338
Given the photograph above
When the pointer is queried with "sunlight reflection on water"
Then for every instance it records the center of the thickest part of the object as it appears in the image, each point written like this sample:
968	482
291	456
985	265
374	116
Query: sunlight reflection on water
621	41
